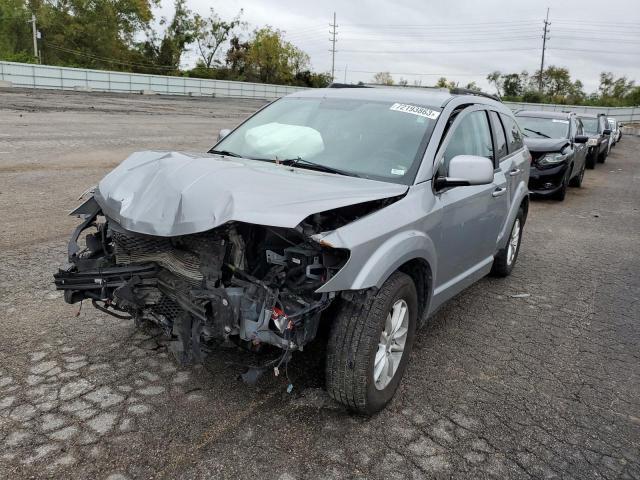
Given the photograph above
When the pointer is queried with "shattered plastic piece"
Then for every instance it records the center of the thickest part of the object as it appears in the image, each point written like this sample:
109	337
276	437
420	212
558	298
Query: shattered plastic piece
521	295
276	371
252	375
290	388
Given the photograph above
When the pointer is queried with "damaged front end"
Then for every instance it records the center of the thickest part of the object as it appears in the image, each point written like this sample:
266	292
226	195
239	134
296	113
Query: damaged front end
239	282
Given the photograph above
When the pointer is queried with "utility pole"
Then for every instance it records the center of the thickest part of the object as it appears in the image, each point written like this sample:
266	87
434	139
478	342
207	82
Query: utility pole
332	32
35	35
345	73
544	46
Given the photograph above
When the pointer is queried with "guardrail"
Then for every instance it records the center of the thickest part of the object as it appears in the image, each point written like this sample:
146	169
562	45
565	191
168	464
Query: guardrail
64	78
622	114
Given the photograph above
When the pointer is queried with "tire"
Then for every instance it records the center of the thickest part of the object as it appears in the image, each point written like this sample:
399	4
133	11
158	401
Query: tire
602	157
577	180
590	161
562	193
505	259
355	341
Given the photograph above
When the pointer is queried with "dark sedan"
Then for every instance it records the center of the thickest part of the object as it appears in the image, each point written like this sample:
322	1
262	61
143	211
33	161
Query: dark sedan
596	127
556	141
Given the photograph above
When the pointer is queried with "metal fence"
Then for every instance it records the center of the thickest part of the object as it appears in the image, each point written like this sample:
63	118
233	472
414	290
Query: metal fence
64	78
622	114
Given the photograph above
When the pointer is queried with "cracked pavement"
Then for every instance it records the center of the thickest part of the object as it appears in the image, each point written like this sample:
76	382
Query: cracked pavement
532	376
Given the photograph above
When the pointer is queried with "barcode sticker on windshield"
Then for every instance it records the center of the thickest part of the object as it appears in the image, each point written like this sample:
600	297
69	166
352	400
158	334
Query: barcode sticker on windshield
415	110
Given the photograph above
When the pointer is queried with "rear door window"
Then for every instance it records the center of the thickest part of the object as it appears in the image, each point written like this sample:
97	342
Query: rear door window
499	136
514	135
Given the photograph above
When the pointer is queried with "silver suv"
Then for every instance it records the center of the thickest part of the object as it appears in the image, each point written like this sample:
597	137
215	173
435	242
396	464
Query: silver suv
345	214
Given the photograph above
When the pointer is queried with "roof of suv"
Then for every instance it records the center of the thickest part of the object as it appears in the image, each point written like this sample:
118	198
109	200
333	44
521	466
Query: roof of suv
590	115
435	97
544	114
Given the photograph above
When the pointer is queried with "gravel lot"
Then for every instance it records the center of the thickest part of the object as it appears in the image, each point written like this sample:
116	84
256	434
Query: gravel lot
534	376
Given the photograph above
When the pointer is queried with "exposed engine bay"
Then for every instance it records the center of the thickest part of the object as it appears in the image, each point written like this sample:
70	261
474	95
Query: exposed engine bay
239	282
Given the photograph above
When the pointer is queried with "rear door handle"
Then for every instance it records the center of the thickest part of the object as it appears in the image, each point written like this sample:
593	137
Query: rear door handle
515	172
498	192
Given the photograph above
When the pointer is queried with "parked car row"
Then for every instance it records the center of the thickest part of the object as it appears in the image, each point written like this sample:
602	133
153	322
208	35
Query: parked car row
344	214
563	145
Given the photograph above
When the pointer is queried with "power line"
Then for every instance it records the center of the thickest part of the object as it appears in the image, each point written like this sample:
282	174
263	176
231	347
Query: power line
434	52
610	52
107	59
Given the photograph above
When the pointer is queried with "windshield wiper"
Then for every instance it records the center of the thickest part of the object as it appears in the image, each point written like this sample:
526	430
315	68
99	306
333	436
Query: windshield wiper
537	133
293	162
226	153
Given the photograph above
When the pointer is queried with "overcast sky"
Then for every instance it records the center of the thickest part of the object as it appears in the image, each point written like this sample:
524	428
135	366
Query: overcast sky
462	40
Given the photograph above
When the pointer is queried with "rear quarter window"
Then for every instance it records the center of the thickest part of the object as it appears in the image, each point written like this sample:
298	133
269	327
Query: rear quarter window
514	135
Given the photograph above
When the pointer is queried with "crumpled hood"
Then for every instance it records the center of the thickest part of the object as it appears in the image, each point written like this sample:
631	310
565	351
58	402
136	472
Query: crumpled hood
176	193
546	144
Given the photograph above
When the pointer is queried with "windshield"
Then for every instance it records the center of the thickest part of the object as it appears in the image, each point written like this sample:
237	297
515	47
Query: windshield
538	127
377	140
590	125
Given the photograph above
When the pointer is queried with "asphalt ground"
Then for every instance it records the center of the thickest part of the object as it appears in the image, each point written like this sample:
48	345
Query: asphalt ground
532	376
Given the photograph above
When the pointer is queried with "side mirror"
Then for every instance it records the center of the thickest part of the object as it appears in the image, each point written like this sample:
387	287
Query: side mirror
606	131
223	133
581	138
467	170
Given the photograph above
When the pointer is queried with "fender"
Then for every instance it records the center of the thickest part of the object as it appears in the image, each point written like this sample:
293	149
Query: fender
371	269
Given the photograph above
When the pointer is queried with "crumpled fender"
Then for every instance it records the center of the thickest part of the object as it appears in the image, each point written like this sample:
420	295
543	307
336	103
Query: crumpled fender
366	269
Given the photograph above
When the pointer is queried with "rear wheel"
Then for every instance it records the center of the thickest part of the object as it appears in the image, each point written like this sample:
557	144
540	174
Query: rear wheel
505	260
370	343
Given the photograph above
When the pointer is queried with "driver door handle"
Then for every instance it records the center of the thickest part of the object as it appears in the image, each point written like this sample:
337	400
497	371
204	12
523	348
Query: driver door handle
515	172
499	191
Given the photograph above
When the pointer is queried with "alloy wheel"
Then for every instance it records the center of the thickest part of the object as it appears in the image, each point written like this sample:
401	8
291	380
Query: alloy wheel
514	240
392	343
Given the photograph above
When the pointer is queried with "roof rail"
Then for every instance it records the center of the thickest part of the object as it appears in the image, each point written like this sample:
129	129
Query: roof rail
468	91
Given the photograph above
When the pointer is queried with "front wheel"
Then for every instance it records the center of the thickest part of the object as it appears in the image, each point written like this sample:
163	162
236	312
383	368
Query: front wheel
370	343
577	180
505	260
603	156
591	160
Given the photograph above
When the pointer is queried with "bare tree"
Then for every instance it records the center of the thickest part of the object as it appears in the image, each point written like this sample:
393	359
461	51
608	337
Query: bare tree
383	78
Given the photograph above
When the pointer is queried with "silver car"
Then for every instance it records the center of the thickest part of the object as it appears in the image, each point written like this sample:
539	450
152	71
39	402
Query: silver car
349	214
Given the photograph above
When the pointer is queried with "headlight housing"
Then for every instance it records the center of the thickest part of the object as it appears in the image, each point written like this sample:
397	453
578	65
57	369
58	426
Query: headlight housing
592	142
552	159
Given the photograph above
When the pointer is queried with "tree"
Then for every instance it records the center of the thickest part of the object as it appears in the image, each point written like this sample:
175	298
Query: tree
267	57
15	32
444	83
616	88
472	86
211	33
495	78
236	58
179	33
512	85
383	78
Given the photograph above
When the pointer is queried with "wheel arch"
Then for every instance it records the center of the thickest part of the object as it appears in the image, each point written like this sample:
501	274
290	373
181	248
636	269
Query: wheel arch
420	272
